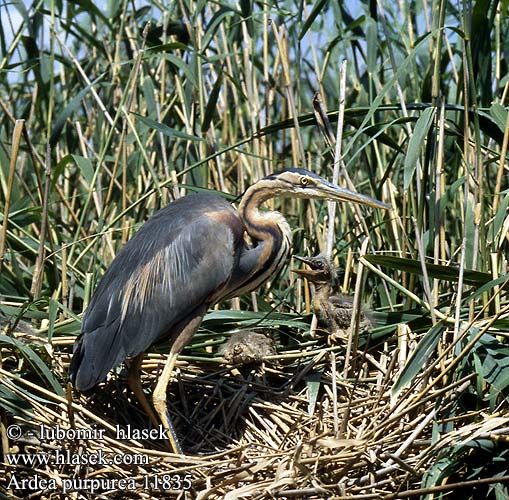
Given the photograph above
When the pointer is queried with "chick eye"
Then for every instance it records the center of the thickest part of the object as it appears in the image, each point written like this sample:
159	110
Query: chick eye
304	181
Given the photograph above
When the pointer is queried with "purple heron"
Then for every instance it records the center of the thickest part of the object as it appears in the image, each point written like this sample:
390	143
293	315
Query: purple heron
184	259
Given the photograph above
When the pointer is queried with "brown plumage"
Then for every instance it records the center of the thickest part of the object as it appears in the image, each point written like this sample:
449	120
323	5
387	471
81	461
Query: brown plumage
247	347
333	311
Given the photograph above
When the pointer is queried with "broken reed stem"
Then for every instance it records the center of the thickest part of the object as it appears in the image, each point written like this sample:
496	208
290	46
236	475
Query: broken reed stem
39	263
353	331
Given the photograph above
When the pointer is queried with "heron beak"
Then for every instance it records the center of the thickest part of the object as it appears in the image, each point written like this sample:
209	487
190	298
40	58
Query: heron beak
336	193
305	260
305	272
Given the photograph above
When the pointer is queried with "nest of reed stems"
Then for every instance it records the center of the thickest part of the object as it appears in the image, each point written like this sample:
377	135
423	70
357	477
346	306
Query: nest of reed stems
298	425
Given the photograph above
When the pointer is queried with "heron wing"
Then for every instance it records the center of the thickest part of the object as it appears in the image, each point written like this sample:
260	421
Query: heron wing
342	301
179	260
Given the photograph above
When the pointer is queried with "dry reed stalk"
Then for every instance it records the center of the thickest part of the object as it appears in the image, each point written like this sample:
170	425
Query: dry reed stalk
16	139
271	429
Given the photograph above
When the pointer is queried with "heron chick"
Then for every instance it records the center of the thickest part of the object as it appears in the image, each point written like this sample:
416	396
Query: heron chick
187	257
247	347
334	311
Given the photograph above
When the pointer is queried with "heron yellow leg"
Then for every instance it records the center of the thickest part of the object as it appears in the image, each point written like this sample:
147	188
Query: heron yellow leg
134	383
159	396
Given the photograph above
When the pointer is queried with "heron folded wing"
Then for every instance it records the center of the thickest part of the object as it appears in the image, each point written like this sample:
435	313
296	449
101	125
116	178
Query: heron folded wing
179	260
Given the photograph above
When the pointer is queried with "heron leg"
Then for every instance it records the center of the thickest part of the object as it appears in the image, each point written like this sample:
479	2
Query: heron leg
134	383
159	396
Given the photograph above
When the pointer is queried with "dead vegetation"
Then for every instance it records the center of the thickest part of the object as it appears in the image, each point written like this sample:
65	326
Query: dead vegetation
293	427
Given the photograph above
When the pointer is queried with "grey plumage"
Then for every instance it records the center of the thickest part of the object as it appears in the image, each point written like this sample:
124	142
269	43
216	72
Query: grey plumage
176	262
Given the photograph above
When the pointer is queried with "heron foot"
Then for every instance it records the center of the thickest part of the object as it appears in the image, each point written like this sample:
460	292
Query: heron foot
160	404
171	434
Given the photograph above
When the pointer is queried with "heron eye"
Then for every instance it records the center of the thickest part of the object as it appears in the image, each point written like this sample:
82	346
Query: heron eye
304	181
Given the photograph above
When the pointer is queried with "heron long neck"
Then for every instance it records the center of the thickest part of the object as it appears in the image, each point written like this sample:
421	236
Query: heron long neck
269	230
262	226
323	290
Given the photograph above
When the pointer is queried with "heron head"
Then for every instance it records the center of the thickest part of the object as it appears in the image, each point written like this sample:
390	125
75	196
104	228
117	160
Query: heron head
321	270
300	183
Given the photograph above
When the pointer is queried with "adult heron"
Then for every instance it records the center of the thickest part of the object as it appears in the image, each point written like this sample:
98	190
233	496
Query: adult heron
188	256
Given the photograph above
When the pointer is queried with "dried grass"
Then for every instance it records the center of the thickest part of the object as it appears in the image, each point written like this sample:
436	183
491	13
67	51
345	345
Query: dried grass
249	432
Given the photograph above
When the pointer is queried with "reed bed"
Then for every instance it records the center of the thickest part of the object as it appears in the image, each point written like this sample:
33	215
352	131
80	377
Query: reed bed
292	428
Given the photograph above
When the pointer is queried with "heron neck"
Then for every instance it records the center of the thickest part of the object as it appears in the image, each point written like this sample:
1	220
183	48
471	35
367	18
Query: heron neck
270	233
323	290
261	225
